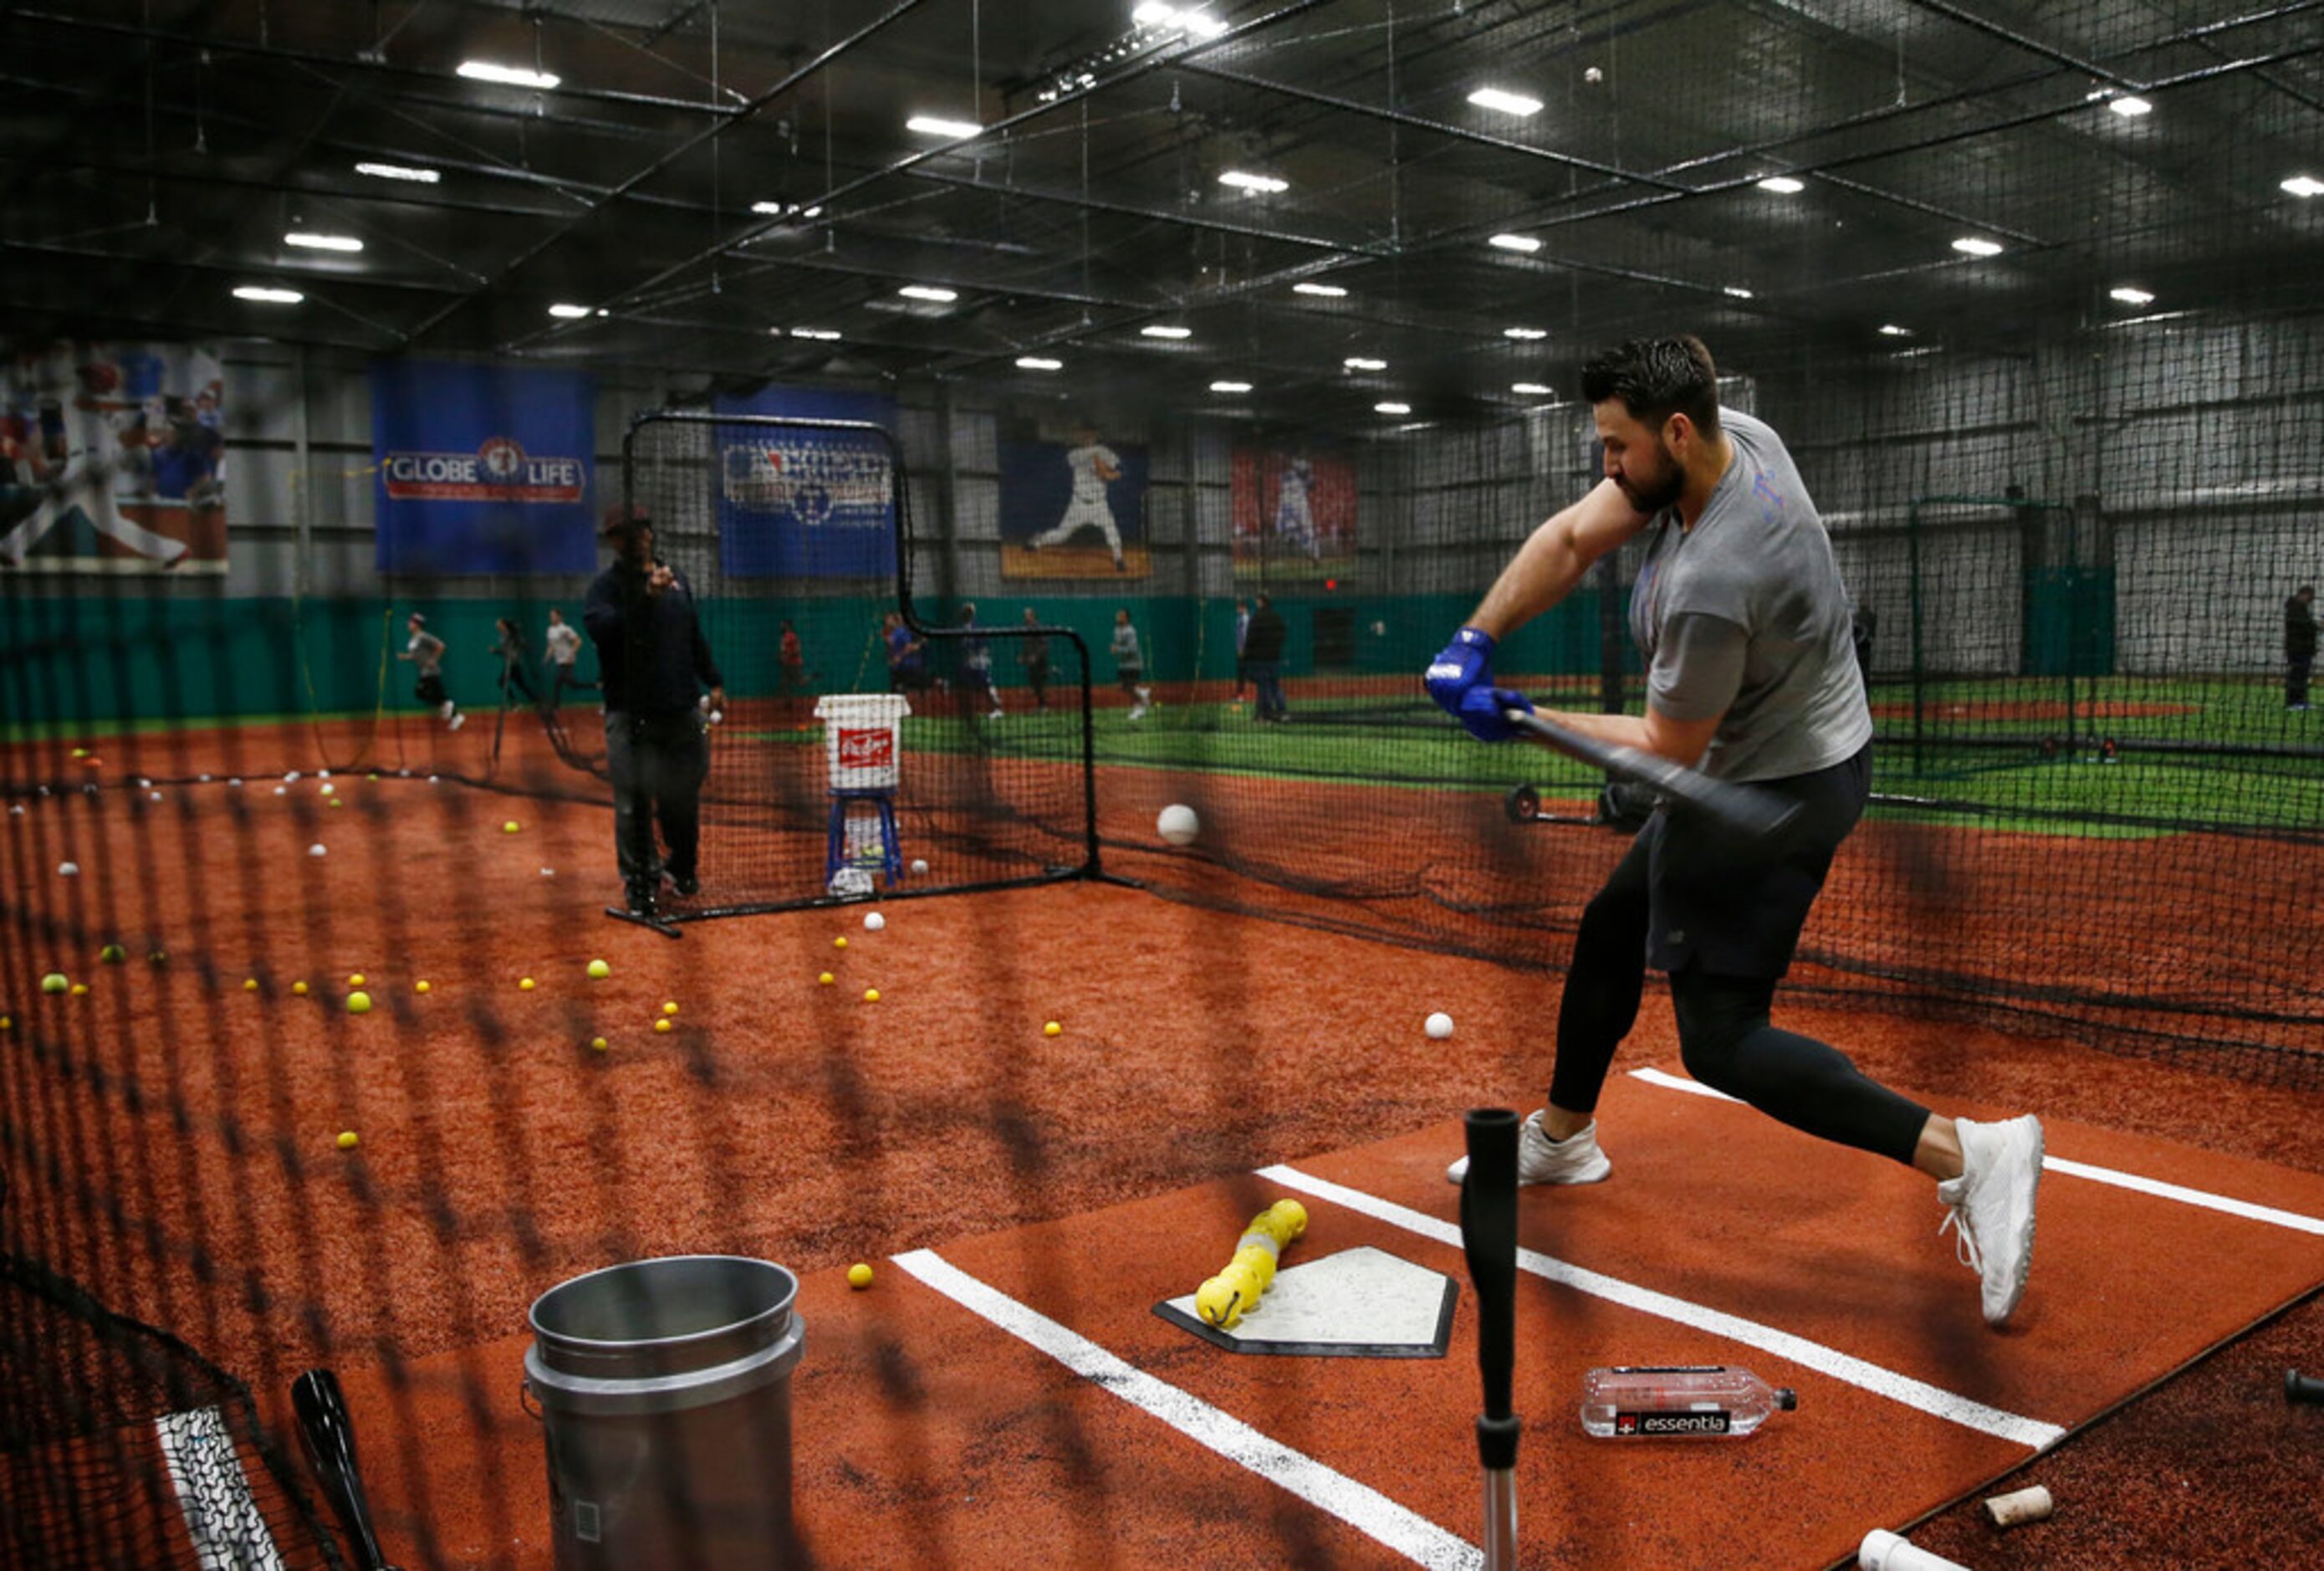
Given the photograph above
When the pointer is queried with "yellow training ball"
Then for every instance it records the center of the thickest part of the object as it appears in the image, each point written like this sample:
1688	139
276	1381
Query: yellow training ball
112	954
6	1024
1053	1030
299	988
669	1006
524	985
827	979
347	1140
839	943
662	1024
510	827
80	990
55	982
599	971
358	1004
598	1044
871	995
421	985
357	980
250	984
859	1275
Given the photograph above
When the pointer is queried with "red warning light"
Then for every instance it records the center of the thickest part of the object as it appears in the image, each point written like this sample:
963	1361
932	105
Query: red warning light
1331	583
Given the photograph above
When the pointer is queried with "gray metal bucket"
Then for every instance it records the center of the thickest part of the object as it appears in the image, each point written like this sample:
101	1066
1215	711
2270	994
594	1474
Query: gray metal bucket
664	1387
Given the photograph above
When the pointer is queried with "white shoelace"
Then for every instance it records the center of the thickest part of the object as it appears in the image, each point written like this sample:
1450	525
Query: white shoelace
1965	1249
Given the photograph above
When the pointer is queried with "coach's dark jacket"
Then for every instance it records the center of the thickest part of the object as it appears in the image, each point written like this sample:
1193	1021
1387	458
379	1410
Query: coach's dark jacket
650	651
1263	641
2299	630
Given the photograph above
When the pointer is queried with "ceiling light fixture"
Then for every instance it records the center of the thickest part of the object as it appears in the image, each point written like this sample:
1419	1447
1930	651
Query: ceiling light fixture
1525	242
951	130
426	177
1971	246
2130	108
479	70
1891	330
1360	363
1736	291
1783	185
1507	103
1253	182
1038	362
943	297
1527	334
785	210
1152	14
1159	332
264	296
1320	290
1230	387
567	312
312	242
2131	297
1201	23
1391	409
1530	389
821	335
2304	185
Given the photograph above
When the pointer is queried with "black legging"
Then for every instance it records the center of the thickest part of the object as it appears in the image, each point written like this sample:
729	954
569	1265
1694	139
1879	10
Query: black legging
1723	1034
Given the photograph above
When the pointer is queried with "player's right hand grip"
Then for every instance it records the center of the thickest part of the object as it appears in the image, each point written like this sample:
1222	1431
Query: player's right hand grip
1235	1292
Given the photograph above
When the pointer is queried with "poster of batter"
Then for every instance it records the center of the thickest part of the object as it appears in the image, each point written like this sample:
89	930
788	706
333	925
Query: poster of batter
1072	505
113	460
1294	512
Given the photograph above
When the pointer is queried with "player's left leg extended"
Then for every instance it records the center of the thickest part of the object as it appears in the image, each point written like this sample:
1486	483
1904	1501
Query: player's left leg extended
684	763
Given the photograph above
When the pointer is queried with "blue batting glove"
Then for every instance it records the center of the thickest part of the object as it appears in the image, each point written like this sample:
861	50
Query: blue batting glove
1460	680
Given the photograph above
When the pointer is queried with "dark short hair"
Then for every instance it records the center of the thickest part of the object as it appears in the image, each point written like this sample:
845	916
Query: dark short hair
2305	589
1656	378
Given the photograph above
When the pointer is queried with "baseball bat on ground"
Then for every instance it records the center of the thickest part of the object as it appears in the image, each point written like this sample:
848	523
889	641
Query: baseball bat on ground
1737	806
328	1435
1489	1233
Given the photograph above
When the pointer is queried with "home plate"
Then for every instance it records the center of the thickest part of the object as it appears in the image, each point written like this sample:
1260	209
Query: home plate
1359	1303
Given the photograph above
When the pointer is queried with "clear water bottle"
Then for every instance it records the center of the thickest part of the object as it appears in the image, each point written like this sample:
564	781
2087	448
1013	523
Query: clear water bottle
1683	1401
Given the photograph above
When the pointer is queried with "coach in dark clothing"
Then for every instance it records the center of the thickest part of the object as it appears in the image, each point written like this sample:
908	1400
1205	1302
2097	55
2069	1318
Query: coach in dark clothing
2298	645
1262	659
640	614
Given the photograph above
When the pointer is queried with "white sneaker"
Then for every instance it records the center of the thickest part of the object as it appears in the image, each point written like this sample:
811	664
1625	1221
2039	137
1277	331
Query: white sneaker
458	721
1575	1160
998	714
1139	712
1993	1207
444	709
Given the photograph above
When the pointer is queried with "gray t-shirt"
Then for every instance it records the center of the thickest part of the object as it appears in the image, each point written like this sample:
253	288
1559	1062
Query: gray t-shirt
1744	615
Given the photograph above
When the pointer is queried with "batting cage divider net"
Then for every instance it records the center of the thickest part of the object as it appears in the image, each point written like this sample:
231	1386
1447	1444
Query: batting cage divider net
864	748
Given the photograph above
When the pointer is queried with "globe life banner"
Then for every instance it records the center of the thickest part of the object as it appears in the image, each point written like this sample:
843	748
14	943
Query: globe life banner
483	468
800	503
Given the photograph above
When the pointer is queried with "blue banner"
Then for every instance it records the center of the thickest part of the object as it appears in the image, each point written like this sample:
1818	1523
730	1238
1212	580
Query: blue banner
799	502
484	469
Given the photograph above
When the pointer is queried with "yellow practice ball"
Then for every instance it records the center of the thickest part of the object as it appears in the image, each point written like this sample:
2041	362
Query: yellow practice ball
510	827
669	1006
871	995
524	985
599	971
859	1275
840	942
6	1024
662	1024
157	958
55	982
80	990
357	980
358	1004
299	988
112	954
1053	1030
337	802
597	1043
827	979
347	1140
421	985
250	984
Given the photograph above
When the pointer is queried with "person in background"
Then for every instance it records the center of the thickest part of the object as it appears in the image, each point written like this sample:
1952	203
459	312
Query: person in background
509	644
564	658
1130	665
1034	656
908	657
426	650
976	660
1263	657
2298	645
1243	636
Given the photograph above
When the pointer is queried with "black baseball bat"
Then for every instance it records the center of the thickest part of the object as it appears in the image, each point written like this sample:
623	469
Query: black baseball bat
328	1435
1738	807
1488	1236
2302	1387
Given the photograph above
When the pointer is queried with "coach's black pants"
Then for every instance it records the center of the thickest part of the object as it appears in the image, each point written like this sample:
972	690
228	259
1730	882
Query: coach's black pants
657	764
1723	915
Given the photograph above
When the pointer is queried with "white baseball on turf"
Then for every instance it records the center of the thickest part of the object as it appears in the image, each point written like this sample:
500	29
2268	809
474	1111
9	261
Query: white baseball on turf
716	716
291	779
315	849
329	788
155	795
919	867
322	775
67	870
1440	1025
282	791
873	922
1178	825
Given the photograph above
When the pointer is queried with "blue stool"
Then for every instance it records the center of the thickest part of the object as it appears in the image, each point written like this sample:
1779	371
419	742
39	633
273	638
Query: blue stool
835	852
